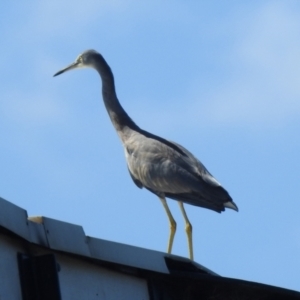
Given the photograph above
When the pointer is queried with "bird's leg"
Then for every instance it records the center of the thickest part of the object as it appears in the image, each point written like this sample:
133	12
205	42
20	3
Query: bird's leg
172	223
188	229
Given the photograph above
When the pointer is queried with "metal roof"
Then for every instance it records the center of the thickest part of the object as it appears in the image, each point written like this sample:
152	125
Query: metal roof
70	238
162	271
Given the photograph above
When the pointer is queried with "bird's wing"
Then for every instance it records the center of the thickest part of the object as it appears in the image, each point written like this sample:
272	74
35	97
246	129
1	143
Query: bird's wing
165	167
195	167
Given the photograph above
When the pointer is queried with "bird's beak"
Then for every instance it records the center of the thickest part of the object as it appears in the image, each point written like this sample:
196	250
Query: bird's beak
68	68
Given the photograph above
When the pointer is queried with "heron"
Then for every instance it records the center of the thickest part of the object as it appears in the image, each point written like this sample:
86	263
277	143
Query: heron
163	167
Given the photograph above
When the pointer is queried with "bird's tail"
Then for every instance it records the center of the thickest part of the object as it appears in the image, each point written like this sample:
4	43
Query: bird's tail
231	205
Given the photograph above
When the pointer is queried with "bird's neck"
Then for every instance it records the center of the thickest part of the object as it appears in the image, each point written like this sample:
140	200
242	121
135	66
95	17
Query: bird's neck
120	119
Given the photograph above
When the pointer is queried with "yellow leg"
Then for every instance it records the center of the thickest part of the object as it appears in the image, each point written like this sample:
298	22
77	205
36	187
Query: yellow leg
172	224
188	229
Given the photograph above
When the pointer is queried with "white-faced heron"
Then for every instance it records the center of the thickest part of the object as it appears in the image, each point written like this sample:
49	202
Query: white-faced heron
163	167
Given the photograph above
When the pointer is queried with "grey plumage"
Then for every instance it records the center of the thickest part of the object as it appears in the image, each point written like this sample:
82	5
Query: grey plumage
163	167
168	169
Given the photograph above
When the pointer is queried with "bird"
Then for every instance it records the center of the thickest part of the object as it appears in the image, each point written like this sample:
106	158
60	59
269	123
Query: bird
163	167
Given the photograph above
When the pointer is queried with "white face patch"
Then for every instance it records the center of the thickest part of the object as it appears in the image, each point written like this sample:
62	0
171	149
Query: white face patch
81	63
79	58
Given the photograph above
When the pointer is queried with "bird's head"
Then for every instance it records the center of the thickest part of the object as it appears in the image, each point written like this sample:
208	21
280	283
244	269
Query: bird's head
83	60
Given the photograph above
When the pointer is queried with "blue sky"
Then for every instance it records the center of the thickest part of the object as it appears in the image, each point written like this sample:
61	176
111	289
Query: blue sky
222	79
